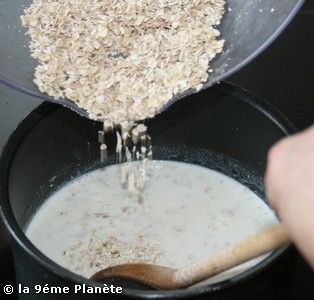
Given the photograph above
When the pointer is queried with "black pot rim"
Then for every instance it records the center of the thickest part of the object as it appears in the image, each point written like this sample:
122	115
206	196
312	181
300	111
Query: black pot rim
18	235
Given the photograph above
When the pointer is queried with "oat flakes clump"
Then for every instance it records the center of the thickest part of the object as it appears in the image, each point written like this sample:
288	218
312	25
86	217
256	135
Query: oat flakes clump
122	60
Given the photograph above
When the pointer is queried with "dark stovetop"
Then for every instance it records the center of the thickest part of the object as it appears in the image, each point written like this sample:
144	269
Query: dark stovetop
283	75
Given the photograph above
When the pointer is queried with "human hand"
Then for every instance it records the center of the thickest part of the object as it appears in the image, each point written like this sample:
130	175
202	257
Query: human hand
290	188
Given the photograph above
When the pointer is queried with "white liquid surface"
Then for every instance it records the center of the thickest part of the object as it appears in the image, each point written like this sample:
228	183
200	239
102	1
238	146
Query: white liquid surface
186	213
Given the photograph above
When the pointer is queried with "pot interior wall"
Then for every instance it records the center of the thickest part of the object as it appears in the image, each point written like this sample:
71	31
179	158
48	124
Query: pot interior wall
222	128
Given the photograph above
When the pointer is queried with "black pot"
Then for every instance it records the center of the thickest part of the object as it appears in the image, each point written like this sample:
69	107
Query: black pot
225	128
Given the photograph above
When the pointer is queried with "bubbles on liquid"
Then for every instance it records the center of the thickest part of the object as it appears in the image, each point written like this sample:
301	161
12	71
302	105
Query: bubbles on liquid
227	214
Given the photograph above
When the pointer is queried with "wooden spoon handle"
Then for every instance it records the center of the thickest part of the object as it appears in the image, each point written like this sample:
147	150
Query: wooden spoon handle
264	242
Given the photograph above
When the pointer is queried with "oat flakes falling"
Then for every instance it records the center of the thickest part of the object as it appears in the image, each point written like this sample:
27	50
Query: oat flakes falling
122	60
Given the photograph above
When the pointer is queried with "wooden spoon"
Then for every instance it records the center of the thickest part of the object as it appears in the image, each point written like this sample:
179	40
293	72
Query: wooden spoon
164	278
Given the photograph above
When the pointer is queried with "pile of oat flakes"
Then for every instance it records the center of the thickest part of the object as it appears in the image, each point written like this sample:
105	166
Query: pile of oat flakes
122	60
99	255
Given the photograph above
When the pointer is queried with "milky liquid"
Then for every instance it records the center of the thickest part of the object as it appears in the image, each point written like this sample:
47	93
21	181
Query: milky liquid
185	213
